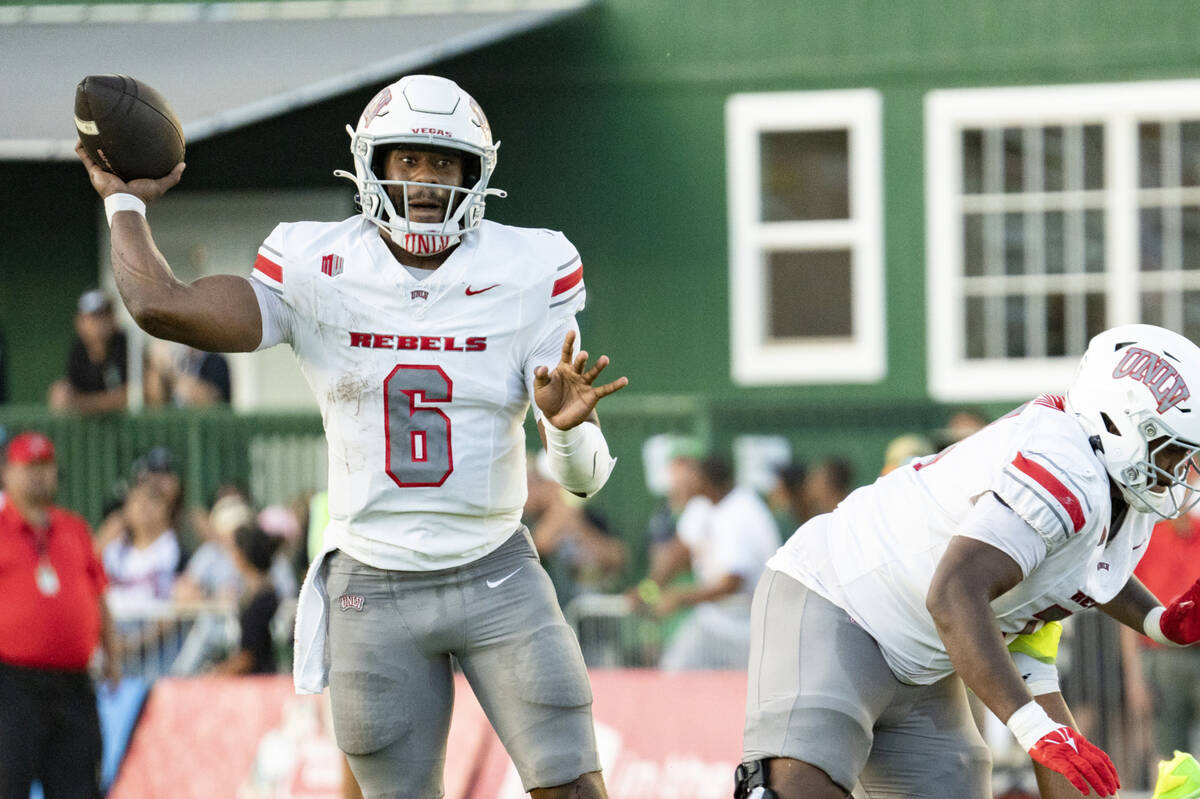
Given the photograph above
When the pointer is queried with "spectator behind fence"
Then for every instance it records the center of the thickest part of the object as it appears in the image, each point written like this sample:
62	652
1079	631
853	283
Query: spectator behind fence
185	377
959	424
728	534
53	618
1162	682
142	564
827	484
576	546
254	552
905	449
787	498
279	521
211	572
97	365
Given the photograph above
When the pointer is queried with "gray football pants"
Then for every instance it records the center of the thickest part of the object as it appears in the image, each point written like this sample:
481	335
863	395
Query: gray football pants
391	683
820	691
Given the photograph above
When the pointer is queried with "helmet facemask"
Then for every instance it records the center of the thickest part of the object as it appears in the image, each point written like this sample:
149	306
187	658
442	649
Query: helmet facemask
1164	479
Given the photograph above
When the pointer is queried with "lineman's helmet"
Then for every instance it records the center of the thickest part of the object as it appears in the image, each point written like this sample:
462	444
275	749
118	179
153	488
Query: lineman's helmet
1132	395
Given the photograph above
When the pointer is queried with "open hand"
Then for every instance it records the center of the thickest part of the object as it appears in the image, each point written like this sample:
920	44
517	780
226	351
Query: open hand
566	395
106	183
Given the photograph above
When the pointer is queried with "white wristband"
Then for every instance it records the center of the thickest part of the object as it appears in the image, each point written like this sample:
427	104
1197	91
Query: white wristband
579	457
1030	724
123	202
1152	627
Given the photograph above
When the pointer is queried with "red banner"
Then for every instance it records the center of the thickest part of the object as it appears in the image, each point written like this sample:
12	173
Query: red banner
660	736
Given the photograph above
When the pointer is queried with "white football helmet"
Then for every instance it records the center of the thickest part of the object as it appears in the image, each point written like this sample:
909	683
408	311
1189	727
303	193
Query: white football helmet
423	111
1132	396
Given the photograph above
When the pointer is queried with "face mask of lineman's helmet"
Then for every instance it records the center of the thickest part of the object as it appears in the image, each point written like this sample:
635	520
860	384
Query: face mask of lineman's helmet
423	111
1132	395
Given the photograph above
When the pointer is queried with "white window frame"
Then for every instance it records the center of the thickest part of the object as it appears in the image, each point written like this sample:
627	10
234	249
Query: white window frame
1118	108
756	360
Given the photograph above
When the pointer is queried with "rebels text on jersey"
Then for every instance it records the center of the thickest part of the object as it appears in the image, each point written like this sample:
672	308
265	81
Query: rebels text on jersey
423	384
875	555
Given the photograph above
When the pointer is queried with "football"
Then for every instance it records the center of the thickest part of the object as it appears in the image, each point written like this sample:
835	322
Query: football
127	127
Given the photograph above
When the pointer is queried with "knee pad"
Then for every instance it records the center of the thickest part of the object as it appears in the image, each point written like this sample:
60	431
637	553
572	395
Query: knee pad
750	781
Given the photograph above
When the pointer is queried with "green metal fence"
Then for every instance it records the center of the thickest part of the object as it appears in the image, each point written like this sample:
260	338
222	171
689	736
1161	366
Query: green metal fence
279	456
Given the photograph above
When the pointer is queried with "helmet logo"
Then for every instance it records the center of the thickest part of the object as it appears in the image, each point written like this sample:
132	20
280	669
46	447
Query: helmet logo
1158	375
480	120
376	106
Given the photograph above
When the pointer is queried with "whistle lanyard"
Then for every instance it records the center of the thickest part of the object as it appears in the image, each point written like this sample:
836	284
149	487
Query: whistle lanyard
45	577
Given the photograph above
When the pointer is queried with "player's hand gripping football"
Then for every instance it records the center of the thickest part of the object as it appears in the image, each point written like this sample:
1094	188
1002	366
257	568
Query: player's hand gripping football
567	394
1180	622
1066	751
106	183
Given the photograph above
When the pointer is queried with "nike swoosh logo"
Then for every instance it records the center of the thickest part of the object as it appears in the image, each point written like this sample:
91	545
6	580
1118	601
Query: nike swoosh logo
480	291
495	583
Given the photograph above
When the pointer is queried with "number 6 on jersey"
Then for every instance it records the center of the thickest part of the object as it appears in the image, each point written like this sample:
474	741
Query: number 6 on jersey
418	439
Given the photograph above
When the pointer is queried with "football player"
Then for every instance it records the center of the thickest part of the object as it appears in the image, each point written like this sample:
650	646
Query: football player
871	619
424	331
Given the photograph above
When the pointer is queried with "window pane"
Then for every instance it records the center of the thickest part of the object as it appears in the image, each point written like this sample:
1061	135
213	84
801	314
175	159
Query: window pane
805	175
809	293
1052	158
1056	325
1150	221
1191	237
975	327
1014	326
1189	145
1096	319
1152	308
1014	244
973	244
972	146
1150	155
1014	154
1052	224
1093	157
1093	240
1191	314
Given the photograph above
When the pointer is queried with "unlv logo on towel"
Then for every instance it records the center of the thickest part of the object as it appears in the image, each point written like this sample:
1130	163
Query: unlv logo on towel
331	265
352	601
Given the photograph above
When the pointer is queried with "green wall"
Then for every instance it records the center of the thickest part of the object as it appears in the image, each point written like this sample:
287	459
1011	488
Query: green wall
47	259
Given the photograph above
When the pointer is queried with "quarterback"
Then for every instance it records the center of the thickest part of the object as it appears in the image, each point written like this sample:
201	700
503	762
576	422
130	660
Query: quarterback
871	619
424	331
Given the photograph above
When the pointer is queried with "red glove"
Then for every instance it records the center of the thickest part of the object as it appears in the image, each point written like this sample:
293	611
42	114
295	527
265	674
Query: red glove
1180	622
1066	751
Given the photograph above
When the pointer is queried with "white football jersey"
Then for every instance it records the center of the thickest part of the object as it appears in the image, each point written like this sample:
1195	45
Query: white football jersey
423	384
875	555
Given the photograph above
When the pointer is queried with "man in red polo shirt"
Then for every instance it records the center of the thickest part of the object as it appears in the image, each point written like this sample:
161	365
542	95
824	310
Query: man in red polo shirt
52	616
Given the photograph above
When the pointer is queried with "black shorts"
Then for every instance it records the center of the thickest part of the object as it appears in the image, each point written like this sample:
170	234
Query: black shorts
49	731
